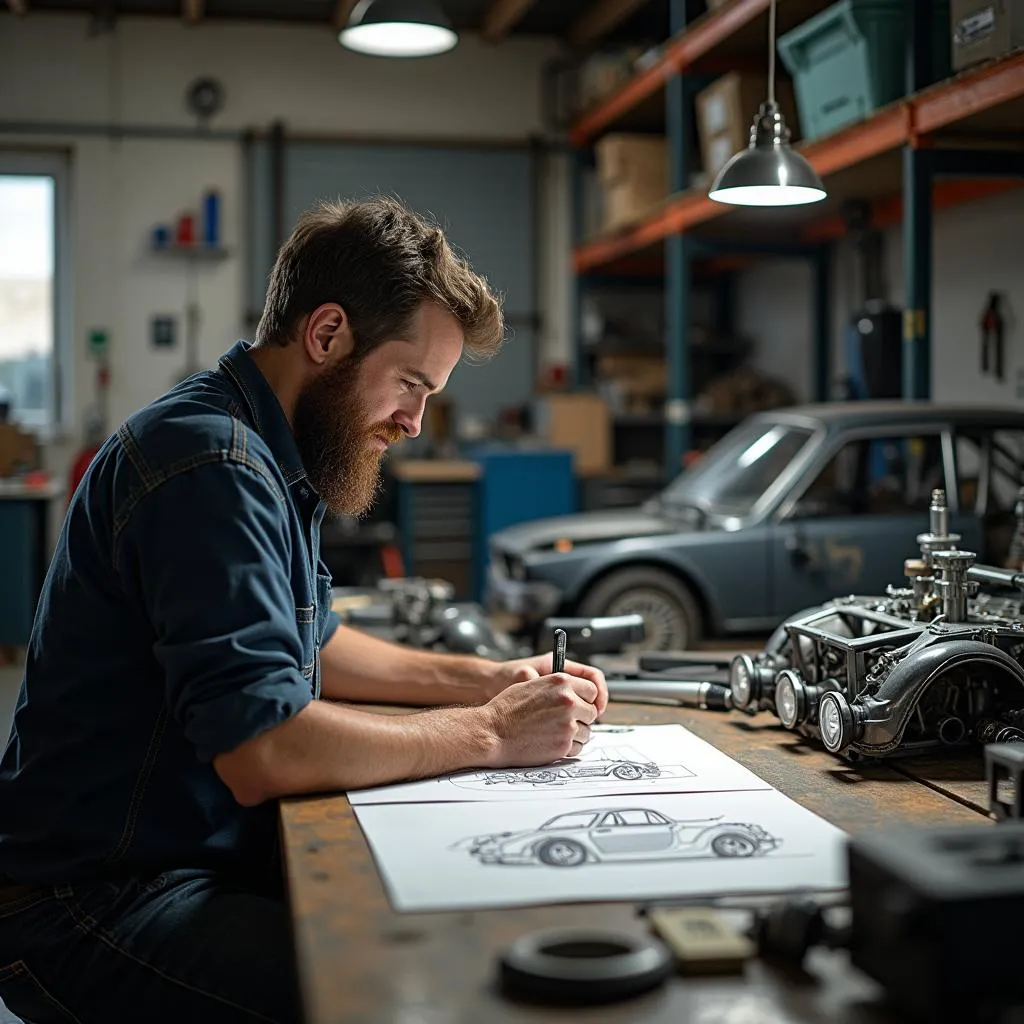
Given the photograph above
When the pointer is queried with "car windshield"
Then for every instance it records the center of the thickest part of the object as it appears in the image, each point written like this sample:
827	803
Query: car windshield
735	472
577	819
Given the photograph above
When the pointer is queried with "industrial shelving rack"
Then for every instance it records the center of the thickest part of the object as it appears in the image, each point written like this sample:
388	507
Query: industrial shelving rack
940	145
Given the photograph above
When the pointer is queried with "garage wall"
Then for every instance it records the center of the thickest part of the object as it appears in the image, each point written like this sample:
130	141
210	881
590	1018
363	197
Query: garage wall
53	71
977	249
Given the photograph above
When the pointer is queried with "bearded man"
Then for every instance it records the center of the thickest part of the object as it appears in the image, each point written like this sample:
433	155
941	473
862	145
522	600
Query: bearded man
185	669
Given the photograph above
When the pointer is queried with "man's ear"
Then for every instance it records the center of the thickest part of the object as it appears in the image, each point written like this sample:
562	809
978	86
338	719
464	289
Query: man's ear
327	335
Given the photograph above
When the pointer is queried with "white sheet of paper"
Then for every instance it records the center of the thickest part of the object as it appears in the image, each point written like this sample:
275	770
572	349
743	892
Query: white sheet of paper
471	854
617	760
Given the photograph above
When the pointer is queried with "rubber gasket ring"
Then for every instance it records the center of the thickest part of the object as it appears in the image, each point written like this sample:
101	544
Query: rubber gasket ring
620	965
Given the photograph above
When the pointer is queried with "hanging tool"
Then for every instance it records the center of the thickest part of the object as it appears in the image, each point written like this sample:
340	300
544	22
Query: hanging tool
992	329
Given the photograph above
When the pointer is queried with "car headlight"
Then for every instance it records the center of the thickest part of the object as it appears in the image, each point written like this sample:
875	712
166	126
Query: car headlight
835	720
742	679
790	698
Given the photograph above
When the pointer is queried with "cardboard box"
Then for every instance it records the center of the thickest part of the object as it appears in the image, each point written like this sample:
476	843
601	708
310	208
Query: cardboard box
633	172
580	423
984	30
18	450
726	109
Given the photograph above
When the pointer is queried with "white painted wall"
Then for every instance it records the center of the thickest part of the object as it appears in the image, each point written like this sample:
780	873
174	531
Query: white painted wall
53	71
977	248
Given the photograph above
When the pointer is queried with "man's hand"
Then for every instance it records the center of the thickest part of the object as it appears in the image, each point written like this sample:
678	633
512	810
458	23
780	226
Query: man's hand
540	718
505	673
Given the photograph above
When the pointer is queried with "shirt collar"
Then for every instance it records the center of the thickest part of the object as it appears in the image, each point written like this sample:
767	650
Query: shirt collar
267	415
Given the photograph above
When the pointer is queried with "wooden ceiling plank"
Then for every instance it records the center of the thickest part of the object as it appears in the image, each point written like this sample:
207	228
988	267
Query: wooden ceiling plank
501	17
600	19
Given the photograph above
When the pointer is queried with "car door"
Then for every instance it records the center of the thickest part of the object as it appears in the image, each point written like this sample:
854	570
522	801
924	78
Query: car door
630	832
855	517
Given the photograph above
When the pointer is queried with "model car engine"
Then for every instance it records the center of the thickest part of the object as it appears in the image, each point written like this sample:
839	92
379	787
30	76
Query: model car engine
930	664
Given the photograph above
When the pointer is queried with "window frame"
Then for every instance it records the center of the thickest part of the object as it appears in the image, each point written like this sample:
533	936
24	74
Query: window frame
53	163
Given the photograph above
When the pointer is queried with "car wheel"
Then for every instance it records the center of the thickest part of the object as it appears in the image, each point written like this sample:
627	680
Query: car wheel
626	772
562	853
732	844
539	776
671	616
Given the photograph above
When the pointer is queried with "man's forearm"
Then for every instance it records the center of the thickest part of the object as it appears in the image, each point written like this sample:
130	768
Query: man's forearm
327	748
358	667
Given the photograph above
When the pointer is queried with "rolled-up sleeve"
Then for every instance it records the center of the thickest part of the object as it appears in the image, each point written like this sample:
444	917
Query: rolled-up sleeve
212	552
333	622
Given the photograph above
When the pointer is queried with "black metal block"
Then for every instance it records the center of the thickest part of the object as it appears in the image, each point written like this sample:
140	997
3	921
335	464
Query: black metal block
1005	762
935	918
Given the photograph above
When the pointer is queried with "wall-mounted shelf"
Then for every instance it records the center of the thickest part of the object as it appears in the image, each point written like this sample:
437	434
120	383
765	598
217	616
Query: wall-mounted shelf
211	253
986	99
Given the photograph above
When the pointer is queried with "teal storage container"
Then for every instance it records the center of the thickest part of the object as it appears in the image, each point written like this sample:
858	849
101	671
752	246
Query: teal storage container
850	59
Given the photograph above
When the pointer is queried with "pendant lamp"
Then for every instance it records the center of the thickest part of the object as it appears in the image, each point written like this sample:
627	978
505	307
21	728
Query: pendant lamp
398	28
768	172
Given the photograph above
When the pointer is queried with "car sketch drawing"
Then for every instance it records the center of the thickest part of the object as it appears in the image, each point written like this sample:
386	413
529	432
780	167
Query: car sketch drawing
622	764
619	834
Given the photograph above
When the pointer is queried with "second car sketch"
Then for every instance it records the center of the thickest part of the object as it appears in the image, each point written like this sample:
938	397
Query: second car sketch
620	834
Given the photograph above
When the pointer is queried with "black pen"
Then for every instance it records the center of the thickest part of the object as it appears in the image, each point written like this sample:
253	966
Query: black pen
558	656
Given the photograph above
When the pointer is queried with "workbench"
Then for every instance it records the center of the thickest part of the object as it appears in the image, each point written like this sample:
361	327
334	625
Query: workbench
359	961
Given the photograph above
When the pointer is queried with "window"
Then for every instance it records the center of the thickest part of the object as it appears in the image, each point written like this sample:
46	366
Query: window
34	313
1000	454
577	819
877	476
636	817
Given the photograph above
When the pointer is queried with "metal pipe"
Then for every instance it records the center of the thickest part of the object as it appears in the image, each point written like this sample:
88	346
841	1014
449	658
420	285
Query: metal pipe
995	576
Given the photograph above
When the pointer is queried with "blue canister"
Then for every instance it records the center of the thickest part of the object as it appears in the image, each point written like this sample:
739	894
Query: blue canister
211	218
161	236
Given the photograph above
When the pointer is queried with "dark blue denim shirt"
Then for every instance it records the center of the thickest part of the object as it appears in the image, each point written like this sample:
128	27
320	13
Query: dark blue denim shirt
182	614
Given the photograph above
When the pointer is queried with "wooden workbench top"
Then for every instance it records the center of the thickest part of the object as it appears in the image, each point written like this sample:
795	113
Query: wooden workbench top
434	471
360	961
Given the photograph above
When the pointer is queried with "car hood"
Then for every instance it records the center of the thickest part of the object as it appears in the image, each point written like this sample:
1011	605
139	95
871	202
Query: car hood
586	527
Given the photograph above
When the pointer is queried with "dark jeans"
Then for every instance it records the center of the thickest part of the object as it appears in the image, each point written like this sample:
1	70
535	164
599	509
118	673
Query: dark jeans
183	946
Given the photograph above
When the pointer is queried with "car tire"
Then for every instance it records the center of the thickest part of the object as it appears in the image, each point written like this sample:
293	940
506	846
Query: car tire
540	776
562	853
733	844
671	615
627	772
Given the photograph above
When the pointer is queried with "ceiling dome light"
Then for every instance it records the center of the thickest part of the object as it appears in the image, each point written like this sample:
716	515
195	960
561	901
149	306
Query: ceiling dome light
768	172
398	28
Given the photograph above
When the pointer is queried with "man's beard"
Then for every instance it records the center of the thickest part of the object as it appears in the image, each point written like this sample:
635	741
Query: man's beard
337	444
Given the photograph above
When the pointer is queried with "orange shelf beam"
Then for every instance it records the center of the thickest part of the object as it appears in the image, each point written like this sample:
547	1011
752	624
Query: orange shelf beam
680	53
896	125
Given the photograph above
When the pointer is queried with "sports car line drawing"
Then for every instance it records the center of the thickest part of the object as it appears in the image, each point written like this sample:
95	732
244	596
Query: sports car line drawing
620	763
619	834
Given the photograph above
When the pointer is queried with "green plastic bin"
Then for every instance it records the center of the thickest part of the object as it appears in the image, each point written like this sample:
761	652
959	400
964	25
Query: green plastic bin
850	59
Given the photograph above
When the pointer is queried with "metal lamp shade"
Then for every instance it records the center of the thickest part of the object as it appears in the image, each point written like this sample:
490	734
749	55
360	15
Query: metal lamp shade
398	28
768	172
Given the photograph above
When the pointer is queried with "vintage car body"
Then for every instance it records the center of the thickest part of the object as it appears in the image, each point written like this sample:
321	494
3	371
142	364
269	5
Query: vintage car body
926	666
789	509
620	834
558	774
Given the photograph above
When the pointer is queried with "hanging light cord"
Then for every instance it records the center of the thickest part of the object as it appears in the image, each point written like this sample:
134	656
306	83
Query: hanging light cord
771	52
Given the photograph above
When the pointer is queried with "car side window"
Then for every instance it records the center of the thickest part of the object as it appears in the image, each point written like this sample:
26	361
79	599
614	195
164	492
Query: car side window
634	817
876	476
1000	452
654	818
608	820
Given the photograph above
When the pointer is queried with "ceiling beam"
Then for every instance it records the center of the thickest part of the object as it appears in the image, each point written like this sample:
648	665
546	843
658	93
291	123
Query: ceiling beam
501	16
192	11
342	12
600	19
19	7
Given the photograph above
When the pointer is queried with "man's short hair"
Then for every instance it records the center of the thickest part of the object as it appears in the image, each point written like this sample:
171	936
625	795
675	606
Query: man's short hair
379	261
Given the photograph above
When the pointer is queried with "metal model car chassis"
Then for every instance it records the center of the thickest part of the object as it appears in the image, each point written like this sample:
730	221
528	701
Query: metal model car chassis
924	667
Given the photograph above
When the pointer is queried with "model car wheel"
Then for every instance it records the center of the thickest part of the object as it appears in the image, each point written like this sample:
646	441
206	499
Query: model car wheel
539	776
562	853
732	844
671	616
626	772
